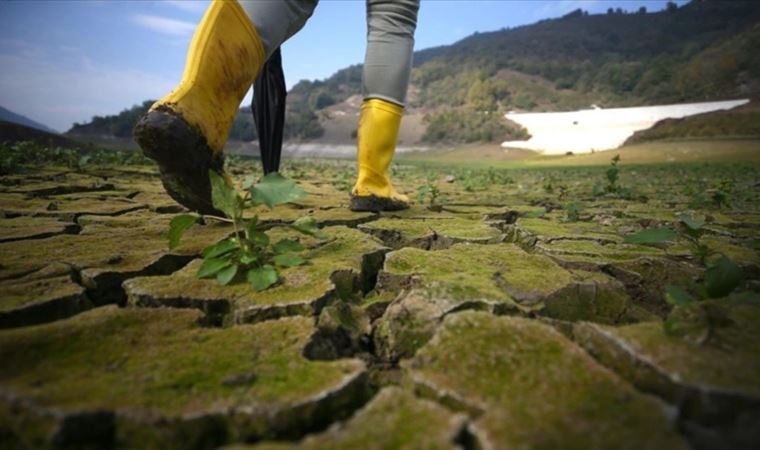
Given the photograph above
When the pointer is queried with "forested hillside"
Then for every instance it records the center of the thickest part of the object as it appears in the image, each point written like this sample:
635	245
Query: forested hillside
705	50
120	125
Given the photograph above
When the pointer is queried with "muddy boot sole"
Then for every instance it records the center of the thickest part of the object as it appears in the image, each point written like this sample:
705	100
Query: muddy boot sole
183	157
373	203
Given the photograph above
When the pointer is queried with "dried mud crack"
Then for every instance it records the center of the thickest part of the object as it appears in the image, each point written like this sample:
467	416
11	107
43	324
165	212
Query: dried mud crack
491	320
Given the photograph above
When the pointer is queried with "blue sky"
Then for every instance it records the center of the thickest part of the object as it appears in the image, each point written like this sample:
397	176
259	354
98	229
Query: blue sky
64	61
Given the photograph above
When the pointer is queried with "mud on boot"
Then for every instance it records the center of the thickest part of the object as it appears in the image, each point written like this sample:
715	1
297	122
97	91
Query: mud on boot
183	157
185	131
374	203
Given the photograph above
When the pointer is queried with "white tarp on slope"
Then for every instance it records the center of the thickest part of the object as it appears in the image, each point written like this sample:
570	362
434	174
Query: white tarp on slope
599	129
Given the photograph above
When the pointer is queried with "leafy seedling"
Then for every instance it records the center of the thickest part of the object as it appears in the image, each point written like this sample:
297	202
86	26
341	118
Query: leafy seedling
249	253
721	195
722	277
498	177
430	192
613	174
344	181
689	228
691	316
573	212
692	230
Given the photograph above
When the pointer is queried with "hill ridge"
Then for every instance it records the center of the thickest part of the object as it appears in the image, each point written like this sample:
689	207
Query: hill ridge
7	115
702	51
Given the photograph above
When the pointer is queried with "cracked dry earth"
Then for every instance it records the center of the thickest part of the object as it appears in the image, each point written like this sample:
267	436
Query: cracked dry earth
489	323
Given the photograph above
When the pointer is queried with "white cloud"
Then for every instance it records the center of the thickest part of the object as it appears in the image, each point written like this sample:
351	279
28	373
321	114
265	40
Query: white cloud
164	25
59	93
187	5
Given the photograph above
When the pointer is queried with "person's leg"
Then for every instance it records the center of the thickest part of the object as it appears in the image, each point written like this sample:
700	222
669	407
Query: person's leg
390	44
387	65
186	130
278	20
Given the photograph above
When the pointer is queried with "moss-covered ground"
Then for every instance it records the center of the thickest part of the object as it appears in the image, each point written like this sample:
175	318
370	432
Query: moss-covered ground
508	312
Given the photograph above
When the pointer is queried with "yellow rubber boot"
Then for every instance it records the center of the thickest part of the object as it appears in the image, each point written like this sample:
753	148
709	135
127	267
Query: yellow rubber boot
186	130
379	123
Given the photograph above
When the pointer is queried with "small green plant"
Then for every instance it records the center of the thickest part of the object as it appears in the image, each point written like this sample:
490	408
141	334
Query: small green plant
573	212
721	278
613	174
692	316
20	156
688	228
295	171
344	181
721	194
692	230
395	172
563	191
549	182
249	252
612	185
498	177
430	192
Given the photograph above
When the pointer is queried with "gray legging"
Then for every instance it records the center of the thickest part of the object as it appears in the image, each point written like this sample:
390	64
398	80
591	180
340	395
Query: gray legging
390	38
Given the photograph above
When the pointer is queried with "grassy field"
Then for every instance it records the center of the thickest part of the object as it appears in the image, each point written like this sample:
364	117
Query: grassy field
685	151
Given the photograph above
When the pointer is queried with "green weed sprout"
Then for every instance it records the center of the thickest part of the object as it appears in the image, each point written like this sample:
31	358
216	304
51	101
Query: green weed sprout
430	191
344	181
613	173
612	186
721	278
249	252
572	212
689	229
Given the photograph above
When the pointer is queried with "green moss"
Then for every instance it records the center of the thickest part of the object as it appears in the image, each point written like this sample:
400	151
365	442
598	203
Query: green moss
736	251
649	212
75	204
409	322
505	274
377	297
375	303
423	232
548	230
329	214
300	290
416	212
519	379
731	366
21	292
145	362
157	201
594	297
32	227
477	211
343	317
110	249
583	250
96	223
493	273
394	419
